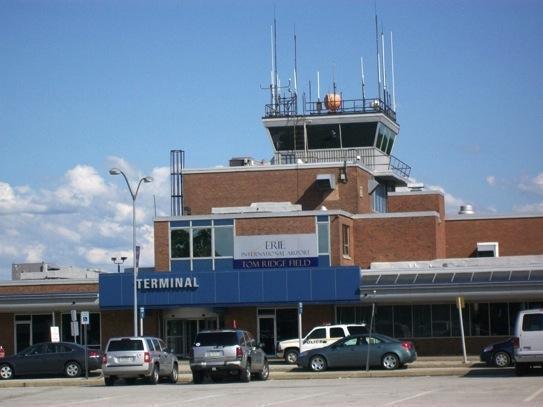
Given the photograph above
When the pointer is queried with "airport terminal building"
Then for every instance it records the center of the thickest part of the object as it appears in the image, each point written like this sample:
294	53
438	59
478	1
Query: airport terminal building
330	222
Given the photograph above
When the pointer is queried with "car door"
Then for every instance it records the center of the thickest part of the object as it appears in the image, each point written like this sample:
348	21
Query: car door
375	350
344	353
315	339
257	354
165	357
531	335
32	360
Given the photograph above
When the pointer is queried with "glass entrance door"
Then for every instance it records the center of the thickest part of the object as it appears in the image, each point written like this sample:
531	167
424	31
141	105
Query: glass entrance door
267	333
180	333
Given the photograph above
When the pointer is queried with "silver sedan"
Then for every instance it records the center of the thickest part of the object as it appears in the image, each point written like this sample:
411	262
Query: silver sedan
352	351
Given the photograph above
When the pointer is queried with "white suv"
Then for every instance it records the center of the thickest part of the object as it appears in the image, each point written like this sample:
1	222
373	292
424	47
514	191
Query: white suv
318	337
528	340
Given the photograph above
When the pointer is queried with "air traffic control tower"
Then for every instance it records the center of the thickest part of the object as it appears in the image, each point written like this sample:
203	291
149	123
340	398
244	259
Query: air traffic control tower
335	130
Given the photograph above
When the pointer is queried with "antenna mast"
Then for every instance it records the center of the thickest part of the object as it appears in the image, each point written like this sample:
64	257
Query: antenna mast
378	57
385	96
363	81
393	82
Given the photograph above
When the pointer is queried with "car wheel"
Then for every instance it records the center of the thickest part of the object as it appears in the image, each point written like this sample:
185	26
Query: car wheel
6	372
390	361
153	379
502	359
174	375
109	380
197	377
72	369
291	356
245	374
318	363
265	373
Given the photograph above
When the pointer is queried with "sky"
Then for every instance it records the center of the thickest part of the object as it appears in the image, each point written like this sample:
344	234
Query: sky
90	85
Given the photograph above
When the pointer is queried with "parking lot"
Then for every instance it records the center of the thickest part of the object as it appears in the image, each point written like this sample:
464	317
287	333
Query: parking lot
503	390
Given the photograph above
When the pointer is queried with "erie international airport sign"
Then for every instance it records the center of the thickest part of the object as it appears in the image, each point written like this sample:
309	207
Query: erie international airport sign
275	251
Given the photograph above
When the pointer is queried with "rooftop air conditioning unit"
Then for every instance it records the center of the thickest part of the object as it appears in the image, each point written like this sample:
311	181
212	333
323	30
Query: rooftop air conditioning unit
241	161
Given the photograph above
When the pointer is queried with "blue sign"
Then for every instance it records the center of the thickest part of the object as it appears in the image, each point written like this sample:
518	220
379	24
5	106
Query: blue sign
231	287
276	263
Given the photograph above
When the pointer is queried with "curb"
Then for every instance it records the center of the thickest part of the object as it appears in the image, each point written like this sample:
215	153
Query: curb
186	378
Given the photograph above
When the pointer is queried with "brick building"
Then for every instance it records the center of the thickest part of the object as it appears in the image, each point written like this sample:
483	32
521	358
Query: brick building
330	223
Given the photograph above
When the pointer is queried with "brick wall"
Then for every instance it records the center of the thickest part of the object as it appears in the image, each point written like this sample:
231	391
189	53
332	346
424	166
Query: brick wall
204	191
7	339
274	226
162	246
519	236
417	202
121	323
395	239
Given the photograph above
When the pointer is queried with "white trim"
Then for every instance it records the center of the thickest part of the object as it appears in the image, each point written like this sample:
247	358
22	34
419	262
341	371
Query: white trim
492	217
407	193
329	213
9	283
378	215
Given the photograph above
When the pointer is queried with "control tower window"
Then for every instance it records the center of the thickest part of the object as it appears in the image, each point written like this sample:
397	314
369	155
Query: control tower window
385	139
323	136
285	138
358	134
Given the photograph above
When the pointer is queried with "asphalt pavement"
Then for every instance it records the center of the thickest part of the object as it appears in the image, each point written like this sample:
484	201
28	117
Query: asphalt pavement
423	366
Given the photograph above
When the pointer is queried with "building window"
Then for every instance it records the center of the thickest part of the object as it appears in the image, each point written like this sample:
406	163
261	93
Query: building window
224	241
422	321
202	241
180	243
324	233
345	233
380	199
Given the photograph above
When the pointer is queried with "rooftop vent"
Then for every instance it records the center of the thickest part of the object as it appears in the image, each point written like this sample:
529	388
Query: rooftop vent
466	210
326	181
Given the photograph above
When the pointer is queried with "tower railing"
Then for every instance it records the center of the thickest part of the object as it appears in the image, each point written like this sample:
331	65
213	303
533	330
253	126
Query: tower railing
369	157
287	106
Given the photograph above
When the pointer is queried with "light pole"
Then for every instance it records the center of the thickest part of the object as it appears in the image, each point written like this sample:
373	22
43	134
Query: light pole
116	171
118	262
371	326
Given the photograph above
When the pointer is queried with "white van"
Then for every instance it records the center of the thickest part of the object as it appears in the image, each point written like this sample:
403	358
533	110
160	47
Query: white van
528	340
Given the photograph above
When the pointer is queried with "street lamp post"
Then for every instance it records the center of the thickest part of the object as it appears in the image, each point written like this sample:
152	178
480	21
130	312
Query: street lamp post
118	262
134	195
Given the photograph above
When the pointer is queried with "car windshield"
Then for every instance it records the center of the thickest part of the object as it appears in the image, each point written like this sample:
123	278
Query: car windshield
216	339
125	344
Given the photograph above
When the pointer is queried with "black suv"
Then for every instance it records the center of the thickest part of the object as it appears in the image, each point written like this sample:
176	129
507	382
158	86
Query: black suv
227	352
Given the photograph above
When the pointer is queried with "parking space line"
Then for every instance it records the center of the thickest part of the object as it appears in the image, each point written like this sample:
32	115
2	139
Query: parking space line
294	399
424	393
533	396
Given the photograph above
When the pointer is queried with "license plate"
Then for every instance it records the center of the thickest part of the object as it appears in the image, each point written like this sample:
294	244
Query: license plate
126	358
214	353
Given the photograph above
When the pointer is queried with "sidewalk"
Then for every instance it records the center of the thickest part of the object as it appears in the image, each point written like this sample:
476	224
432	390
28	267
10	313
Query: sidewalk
423	366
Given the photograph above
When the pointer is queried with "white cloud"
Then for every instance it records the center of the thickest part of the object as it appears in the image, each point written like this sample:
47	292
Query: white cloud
491	180
83	184
452	203
34	253
82	221
532	185
535	208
